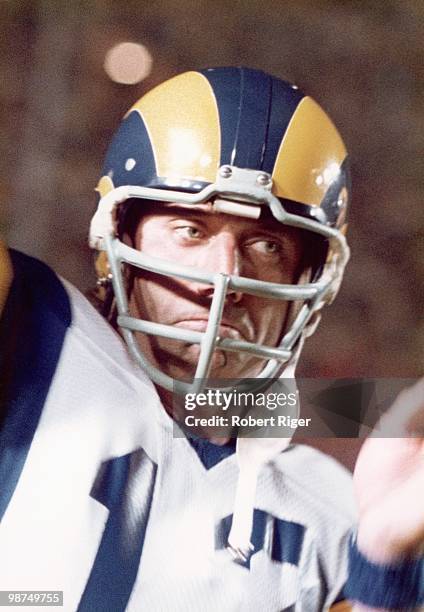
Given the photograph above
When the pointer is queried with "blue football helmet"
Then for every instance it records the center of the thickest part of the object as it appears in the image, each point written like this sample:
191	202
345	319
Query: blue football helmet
245	141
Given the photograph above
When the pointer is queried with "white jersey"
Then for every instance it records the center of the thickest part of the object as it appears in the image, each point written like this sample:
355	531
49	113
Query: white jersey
100	500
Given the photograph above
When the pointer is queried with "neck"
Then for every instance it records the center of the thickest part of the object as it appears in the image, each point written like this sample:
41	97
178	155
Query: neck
178	413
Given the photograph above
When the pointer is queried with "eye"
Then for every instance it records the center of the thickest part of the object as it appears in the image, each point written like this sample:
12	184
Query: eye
267	247
188	232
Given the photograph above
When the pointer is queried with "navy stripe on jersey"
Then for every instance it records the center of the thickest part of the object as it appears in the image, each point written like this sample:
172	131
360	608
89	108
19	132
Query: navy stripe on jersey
287	541
116	565
210	454
131	142
286	537
36	317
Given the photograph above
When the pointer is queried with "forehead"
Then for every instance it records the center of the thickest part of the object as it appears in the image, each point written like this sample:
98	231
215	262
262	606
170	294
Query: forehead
207	213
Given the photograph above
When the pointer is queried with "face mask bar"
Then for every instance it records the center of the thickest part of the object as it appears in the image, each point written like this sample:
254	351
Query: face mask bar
245	186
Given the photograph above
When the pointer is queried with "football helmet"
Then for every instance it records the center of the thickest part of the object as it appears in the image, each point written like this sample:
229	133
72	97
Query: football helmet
245	141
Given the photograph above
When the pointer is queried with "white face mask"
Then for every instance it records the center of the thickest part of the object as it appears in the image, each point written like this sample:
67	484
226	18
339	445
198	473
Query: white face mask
237	192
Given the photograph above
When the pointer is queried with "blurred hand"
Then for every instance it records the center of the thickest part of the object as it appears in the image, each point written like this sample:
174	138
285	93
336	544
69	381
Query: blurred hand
389	482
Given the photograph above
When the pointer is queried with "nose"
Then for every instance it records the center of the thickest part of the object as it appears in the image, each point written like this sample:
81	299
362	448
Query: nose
222	256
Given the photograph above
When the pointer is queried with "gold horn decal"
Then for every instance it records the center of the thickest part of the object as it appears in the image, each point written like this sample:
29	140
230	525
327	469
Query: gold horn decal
190	149
309	157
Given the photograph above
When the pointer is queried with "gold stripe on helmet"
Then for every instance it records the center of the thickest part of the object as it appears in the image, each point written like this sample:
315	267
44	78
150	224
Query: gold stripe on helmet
104	185
309	157
6	274
191	148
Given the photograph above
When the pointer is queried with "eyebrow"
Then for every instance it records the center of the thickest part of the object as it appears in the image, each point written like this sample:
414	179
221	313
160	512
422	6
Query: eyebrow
265	223
182	208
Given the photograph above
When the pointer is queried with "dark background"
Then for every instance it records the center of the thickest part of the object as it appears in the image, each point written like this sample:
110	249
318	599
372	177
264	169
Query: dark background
362	60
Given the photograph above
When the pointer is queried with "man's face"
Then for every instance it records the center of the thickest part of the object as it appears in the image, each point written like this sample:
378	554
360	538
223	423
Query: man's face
216	242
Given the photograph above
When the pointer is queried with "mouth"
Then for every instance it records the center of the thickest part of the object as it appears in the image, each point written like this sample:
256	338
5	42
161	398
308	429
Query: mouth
225	330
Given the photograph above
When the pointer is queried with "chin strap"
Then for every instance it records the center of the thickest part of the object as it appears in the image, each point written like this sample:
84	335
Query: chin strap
252	454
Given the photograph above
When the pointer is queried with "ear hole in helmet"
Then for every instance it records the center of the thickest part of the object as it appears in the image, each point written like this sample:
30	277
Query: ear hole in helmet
315	251
316	255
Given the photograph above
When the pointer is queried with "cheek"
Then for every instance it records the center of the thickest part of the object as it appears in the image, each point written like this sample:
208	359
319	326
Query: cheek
268	317
155	298
284	274
149	298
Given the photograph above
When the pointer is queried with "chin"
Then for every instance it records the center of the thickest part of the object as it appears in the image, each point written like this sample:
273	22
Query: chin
182	364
